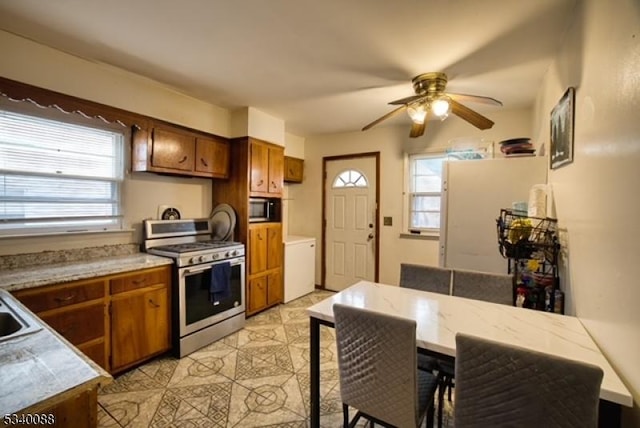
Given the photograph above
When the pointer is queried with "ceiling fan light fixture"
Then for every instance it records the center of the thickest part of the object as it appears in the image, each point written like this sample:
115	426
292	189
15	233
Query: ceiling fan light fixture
441	107
417	112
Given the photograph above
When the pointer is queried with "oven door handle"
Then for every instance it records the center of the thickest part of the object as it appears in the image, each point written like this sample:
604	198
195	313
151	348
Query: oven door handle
194	270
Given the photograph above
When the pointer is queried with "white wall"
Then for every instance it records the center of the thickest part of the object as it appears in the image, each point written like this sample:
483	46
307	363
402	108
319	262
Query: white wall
249	121
38	65
596	197
392	142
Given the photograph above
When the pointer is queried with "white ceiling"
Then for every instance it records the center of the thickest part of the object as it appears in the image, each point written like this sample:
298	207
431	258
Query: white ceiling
323	66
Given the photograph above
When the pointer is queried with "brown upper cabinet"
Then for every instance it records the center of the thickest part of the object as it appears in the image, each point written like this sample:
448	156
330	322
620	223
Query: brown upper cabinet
212	156
293	169
267	169
172	150
167	149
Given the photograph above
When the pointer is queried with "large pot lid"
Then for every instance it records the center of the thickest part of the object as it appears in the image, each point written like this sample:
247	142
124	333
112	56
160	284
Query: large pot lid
223	222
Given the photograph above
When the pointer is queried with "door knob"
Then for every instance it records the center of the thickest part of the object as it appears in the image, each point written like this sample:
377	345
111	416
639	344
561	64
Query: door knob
370	237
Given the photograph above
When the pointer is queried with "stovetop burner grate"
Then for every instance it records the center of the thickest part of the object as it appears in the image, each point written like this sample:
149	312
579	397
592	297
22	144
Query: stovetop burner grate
196	246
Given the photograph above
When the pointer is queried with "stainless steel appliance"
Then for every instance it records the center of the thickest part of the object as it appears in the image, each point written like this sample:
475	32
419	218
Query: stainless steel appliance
204	307
264	209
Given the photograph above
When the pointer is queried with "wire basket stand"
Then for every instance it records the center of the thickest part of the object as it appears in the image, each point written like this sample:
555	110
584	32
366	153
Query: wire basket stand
531	246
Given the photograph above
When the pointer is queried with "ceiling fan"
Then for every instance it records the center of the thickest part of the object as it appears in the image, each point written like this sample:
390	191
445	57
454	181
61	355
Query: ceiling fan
430	98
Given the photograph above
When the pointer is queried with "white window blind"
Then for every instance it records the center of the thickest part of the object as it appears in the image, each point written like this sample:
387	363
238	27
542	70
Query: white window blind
425	192
58	176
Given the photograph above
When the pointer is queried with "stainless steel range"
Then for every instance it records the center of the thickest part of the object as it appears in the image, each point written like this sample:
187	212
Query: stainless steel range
208	294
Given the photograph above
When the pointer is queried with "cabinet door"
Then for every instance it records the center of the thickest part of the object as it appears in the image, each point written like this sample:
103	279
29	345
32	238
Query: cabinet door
293	169
78	324
257	291
274	288
258	238
172	150
276	170
139	325
212	157
259	168
274	246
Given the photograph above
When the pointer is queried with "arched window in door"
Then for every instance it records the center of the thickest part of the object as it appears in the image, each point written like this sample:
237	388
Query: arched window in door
350	178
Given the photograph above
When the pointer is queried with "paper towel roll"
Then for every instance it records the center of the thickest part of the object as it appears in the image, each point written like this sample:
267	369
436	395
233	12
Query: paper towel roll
537	201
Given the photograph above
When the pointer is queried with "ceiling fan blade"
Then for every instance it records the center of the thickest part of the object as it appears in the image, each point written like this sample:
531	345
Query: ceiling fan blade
475	99
417	129
386	116
408	100
473	117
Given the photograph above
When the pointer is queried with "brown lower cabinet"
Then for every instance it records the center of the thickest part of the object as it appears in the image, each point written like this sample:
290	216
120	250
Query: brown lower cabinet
139	325
117	321
265	288
265	291
79	410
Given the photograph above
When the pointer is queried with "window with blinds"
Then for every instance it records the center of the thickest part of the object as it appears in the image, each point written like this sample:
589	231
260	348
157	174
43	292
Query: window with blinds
58	176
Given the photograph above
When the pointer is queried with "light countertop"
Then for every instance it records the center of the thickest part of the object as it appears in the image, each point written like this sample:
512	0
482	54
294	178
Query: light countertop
37	276
42	369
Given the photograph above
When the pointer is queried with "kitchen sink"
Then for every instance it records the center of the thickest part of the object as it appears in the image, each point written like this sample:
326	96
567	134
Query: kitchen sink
14	320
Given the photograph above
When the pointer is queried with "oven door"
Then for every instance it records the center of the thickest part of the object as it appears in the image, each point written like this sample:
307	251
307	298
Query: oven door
195	308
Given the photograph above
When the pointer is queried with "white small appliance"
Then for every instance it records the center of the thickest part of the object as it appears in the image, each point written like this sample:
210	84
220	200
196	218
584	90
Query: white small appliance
299	266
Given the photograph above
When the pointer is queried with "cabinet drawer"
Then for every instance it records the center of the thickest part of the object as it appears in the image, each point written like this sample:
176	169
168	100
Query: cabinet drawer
40	300
139	280
78	325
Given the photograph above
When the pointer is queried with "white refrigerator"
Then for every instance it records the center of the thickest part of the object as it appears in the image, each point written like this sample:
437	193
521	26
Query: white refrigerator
473	192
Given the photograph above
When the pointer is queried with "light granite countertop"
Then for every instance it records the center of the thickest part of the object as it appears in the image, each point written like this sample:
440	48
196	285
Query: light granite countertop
46	274
42	369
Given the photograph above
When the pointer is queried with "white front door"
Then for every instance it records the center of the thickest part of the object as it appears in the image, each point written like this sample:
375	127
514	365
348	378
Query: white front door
350	228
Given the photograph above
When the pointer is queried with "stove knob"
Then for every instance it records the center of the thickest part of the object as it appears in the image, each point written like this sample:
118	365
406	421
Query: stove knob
202	259
227	254
192	260
215	256
234	253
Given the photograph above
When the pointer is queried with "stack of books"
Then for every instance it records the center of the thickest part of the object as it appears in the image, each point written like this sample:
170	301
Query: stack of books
517	147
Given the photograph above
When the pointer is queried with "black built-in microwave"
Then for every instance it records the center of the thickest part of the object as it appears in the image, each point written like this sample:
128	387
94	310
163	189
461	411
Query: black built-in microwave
264	209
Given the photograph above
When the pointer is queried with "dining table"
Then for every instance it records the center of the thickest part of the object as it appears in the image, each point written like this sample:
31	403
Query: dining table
440	317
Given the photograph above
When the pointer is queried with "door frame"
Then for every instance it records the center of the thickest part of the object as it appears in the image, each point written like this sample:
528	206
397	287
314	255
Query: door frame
323	242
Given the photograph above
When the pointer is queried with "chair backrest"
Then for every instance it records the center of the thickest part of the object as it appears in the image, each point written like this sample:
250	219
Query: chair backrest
507	386
490	287
425	278
377	364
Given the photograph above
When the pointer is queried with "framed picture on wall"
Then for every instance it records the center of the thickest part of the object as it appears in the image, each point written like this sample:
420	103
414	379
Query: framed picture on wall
561	149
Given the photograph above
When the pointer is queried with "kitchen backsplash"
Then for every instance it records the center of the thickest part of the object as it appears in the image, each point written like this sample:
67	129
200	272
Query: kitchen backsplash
15	261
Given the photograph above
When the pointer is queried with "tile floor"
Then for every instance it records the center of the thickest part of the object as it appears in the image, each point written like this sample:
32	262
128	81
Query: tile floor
256	377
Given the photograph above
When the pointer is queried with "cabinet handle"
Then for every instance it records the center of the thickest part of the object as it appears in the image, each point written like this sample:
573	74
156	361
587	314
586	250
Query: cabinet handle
204	163
139	281
260	236
64	299
260	182
183	160
154	304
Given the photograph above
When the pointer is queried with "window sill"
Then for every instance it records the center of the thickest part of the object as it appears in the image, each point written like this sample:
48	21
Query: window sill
82	232
421	236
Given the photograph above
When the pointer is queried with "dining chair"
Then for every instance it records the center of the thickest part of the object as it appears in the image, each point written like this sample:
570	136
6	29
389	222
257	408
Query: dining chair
378	369
426	278
436	280
500	385
486	286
